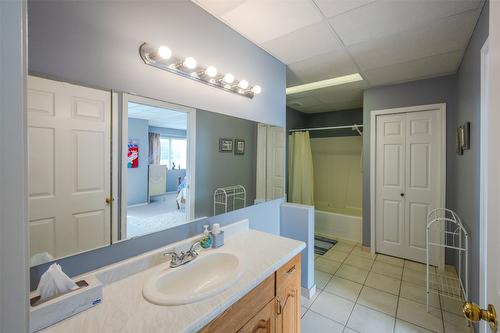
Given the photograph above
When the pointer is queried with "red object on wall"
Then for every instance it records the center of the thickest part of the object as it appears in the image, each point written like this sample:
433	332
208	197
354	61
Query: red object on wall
133	154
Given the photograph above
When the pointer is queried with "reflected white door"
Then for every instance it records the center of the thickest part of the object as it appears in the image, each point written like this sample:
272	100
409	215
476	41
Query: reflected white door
69	167
275	163
408	181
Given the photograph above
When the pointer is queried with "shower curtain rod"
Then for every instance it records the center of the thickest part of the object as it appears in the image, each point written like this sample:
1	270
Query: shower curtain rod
354	127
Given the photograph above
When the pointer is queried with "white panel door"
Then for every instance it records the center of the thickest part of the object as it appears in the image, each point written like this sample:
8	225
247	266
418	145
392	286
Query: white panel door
408	184
423	180
390	183
275	162
69	167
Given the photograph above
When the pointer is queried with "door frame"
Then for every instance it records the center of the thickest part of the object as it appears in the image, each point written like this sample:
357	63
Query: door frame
483	176
191	150
373	142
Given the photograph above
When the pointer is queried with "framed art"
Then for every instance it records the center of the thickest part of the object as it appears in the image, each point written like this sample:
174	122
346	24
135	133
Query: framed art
225	145
239	147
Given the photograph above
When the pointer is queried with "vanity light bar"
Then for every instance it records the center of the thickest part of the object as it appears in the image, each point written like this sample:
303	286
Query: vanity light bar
162	58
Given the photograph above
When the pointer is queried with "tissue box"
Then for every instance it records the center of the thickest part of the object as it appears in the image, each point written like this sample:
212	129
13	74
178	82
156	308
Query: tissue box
66	305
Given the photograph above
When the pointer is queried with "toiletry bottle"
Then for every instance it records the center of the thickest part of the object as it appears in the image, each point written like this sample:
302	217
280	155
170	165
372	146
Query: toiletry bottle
217	236
206	241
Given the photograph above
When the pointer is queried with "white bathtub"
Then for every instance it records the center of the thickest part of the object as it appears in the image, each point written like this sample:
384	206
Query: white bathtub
341	223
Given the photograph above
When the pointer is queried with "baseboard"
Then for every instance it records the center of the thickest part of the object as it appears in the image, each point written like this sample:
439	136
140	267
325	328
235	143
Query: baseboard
308	293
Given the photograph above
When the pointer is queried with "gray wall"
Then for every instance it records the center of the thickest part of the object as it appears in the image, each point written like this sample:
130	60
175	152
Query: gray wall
464	171
97	42
137	181
215	169
14	243
430	91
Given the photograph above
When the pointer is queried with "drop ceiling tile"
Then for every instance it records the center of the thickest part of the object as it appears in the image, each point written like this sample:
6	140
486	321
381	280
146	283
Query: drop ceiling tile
386	17
415	70
264	20
304	43
442	36
218	7
292	79
324	66
353	93
331	8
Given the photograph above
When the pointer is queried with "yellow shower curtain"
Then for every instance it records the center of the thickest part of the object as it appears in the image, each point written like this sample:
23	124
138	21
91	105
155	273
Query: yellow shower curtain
300	173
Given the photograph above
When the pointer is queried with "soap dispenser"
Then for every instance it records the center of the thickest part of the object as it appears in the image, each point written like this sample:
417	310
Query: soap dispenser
206	240
217	236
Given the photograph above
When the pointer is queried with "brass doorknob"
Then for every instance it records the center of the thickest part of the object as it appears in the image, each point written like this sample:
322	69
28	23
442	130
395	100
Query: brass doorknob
474	313
109	200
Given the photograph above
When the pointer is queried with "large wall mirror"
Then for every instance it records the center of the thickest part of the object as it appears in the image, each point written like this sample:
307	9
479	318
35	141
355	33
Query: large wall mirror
106	166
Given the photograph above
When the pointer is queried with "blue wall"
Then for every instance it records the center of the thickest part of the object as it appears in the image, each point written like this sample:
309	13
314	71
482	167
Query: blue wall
137	181
464	170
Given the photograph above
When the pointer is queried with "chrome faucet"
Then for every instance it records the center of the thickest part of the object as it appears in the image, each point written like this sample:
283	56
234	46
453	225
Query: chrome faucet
184	257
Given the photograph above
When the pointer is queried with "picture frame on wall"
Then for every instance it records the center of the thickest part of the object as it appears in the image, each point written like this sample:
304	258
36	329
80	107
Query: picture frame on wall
239	147
225	145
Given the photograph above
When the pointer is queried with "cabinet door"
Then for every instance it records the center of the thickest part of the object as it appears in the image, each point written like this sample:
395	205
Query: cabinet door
263	322
288	297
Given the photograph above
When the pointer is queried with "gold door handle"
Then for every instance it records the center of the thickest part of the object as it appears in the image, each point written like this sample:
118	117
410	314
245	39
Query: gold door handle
474	313
109	200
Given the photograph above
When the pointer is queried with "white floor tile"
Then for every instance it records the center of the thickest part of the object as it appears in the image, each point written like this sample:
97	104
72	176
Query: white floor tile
416	313
456	324
306	302
321	279
387	269
325	265
352	273
416	266
415	277
383	282
378	300
391	260
349	330
417	293
363	252
452	305
341	246
406	327
314	323
366	320
333	307
336	255
344	288
359	262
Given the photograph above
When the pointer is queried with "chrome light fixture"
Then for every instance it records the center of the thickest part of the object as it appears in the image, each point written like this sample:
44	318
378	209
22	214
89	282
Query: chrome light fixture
163	58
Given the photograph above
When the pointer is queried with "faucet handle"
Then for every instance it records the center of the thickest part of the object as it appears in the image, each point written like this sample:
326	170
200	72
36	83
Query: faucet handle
193	248
174	256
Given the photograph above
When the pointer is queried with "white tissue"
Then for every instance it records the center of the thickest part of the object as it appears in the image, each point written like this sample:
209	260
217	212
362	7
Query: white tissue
54	282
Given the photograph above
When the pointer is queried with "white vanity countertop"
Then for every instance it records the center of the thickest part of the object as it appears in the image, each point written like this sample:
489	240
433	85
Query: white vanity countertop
124	309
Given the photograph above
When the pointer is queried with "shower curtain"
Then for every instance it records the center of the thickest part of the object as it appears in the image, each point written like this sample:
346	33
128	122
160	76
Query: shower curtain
300	174
154	148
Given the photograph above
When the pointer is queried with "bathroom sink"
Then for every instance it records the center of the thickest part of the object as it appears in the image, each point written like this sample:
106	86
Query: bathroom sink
207	275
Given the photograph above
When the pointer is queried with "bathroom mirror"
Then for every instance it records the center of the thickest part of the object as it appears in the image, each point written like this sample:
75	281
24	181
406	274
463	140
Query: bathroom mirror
106	166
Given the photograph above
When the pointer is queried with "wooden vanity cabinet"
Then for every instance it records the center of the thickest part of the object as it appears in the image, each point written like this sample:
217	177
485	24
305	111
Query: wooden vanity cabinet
271	307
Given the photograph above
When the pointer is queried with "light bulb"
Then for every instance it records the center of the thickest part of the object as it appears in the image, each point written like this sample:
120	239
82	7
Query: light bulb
256	90
228	78
211	71
190	63
164	52
243	84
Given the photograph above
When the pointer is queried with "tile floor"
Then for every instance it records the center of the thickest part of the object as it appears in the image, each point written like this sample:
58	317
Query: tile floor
361	292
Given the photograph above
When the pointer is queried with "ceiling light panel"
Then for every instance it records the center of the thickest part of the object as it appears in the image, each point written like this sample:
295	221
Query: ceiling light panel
325	83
